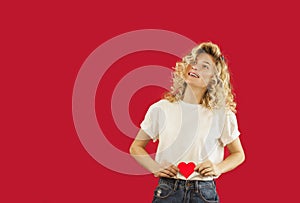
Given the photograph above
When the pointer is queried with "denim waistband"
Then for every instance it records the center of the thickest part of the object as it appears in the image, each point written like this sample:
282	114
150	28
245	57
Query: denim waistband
192	184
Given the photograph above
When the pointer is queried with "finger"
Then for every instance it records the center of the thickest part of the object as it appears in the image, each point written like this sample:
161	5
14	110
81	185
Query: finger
159	175
202	167
164	175
167	172
175	168
211	173
206	170
171	171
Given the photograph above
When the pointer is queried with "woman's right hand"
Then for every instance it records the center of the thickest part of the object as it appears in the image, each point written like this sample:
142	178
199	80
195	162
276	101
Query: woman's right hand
138	151
167	172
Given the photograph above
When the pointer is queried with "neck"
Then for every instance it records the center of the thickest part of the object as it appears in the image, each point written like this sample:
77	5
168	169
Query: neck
193	95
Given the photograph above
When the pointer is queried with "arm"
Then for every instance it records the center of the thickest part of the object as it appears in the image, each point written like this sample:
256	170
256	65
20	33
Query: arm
235	158
138	152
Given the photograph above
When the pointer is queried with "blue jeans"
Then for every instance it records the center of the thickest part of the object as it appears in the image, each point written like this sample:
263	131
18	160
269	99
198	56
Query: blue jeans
185	191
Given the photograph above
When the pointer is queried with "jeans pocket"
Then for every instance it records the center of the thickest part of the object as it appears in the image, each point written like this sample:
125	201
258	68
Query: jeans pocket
209	193
163	191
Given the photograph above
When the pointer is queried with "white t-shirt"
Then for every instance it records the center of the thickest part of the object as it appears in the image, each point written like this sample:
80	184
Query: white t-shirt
189	133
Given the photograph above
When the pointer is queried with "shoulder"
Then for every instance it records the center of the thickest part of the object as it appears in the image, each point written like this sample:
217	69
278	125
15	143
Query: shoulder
163	106
225	111
163	103
231	116
229	112
224	114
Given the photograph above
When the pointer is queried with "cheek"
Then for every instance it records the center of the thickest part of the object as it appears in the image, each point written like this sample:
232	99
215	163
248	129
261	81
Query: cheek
185	72
207	77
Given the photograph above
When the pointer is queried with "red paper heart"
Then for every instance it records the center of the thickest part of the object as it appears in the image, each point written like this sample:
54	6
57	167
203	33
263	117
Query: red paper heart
186	169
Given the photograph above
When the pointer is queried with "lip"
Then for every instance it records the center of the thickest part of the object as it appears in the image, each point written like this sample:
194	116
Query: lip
193	74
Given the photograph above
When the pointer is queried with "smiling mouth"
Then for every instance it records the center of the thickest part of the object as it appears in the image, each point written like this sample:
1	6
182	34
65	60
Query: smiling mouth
193	75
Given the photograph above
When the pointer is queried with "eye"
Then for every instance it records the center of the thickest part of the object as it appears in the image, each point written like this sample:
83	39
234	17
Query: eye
205	66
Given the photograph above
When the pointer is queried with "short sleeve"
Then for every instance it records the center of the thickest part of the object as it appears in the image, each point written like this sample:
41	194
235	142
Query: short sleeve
230	131
153	121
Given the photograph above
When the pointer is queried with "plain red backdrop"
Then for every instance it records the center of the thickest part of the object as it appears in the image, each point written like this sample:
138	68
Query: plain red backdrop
43	45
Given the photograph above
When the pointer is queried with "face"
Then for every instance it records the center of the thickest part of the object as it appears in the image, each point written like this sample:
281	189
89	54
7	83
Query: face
200	73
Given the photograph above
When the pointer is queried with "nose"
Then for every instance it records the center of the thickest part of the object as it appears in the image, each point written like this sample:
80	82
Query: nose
194	67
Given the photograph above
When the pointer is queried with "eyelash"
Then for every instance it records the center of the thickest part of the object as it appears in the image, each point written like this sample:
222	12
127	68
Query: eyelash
203	66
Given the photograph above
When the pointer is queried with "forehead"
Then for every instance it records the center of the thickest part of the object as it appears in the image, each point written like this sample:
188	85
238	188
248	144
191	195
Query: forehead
204	57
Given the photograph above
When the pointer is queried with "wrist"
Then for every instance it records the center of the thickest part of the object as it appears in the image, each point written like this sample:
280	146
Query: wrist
220	168
155	168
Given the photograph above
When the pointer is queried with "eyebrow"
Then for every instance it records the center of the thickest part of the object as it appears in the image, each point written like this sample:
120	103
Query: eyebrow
207	62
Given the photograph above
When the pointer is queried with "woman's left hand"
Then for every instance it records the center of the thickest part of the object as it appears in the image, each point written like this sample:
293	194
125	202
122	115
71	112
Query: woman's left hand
208	168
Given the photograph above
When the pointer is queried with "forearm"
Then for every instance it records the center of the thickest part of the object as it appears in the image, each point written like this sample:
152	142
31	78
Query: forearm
144	159
231	162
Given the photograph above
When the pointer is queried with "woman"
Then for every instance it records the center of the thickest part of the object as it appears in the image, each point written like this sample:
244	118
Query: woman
193	123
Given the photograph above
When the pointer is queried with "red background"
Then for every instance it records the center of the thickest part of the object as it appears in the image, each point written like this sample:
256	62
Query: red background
43	46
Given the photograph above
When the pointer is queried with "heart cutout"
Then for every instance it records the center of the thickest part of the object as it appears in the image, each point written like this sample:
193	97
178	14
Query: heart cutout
186	169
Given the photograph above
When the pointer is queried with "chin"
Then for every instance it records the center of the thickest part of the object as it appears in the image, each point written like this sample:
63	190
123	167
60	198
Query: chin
194	84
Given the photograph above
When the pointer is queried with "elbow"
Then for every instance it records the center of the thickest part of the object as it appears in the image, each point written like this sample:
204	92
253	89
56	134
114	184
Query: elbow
136	150
132	149
242	158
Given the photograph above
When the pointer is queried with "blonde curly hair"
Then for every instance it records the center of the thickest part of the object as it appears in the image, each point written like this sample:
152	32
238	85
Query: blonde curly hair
219	91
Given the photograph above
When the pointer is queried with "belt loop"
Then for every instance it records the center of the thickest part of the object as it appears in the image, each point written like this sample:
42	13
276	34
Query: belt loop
196	185
187	184
175	185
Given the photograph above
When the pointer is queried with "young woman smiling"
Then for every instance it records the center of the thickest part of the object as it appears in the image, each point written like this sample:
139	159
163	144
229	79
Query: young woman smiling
193	123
